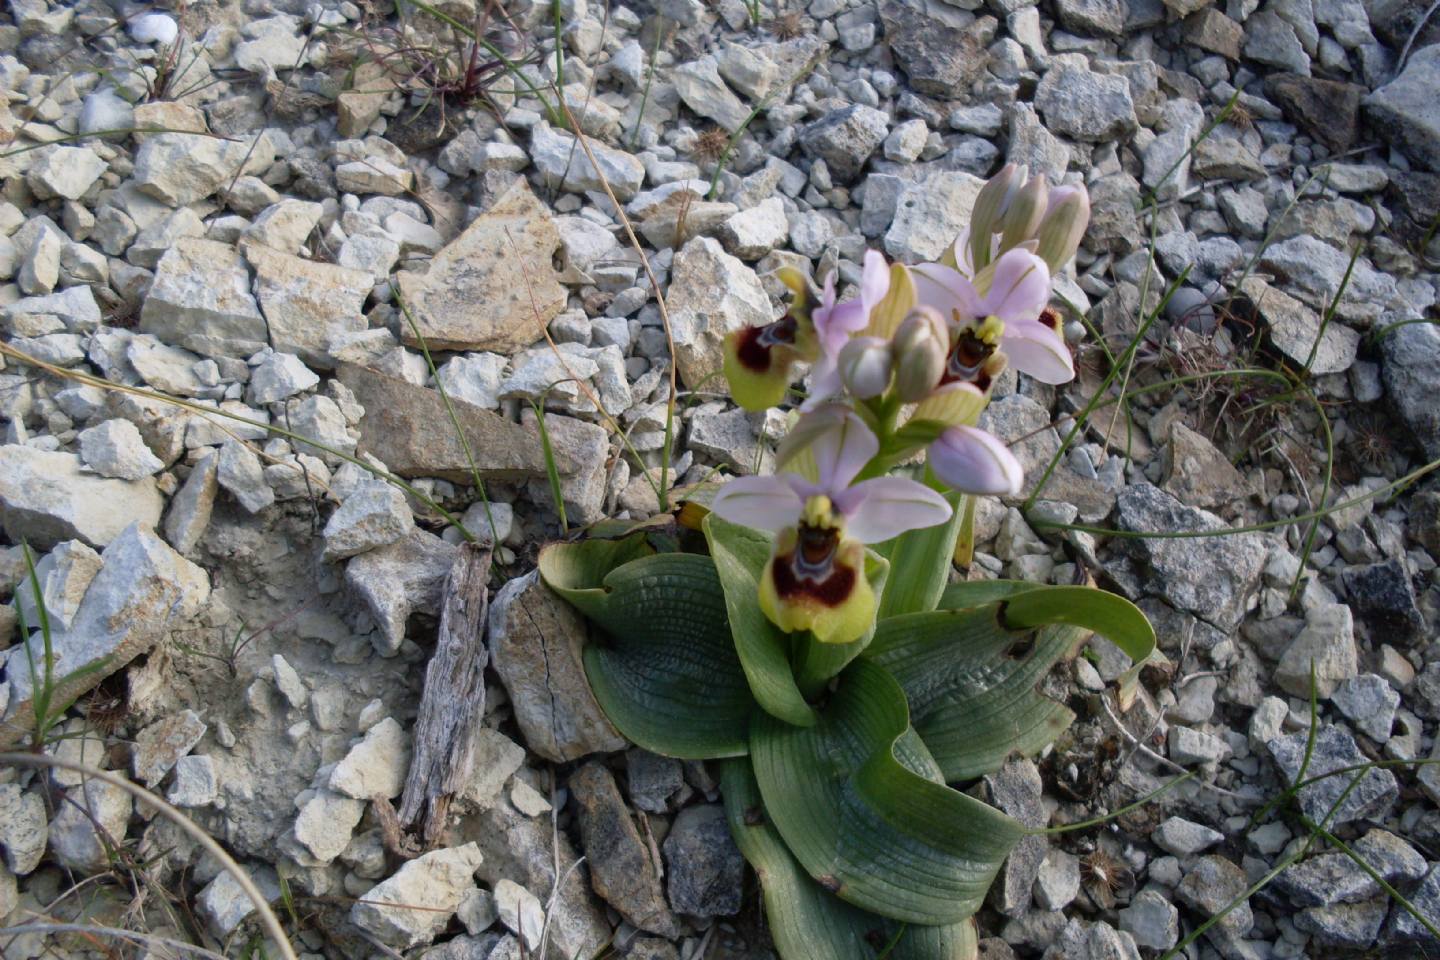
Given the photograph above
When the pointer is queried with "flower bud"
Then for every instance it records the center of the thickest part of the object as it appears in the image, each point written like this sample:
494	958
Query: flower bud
973	461
865	367
1064	225
1026	211
990	205
920	347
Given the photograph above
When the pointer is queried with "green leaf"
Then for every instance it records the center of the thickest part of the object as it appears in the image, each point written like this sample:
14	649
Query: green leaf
920	563
978	593
740	554
665	670
859	803
1108	614
972	683
816	663
806	921
577	571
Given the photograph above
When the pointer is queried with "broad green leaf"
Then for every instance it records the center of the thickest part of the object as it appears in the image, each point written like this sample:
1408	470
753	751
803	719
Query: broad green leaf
740	554
972	683
817	663
1029	605
577	571
806	921
664	669
1108	614
978	593
858	801
920	562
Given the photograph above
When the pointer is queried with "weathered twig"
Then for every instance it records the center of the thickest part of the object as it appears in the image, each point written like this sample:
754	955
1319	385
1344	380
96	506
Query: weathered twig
453	705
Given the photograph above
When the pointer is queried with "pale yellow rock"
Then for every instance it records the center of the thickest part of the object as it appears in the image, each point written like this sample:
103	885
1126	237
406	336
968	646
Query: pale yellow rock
495	286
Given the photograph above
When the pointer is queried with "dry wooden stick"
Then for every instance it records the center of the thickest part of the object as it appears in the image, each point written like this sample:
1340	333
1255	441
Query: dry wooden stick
452	707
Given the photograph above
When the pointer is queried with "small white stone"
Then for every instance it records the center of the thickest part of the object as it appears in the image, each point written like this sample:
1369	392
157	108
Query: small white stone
520	911
116	449
376	766
373	516
477	911
195	782
65	172
474	378
280	376
288	682
527	799
74	839
154	28
436	882
326	823
64	574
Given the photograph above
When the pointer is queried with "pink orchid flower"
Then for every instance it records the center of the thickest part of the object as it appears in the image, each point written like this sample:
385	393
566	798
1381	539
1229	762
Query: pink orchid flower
836	323
815	579
1018	294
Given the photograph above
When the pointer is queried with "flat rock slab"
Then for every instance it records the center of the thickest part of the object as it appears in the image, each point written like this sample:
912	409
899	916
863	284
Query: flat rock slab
621	867
1335	749
1406	110
143	590
1215	578
495	286
536	640
1295	329
307	304
45	497
410	430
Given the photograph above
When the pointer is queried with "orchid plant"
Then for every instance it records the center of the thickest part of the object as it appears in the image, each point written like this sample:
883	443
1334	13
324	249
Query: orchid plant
815	641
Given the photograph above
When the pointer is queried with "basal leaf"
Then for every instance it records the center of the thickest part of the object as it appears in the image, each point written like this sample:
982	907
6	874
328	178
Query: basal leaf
806	921
740	554
859	803
972	683
817	663
1108	614
662	666
920	563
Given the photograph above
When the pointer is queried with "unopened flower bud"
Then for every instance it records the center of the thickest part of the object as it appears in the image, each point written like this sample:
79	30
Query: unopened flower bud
865	367
990	205
1064	225
920	347
1026	211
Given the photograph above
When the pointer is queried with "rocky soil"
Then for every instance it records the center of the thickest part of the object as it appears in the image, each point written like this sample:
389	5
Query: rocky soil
219	202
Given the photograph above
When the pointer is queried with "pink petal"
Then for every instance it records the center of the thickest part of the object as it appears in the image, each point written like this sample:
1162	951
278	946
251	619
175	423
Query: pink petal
874	280
835	325
824	382
885	507
841	453
973	461
961	252
819	420
764	503
1021	287
946	289
1038	351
